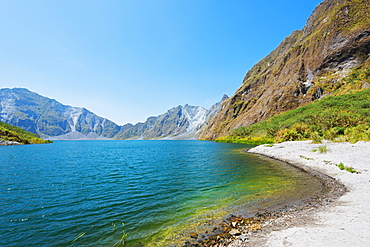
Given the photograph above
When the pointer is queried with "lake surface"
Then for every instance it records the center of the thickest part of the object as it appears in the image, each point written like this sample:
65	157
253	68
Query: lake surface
78	193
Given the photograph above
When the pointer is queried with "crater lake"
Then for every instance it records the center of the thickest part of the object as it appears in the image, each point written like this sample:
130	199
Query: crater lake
149	193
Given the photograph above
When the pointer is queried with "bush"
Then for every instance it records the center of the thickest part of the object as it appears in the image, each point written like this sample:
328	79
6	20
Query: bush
330	134
241	132
286	135
355	134
315	137
338	118
323	149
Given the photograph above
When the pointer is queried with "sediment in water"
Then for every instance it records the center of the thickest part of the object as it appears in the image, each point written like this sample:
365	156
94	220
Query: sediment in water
246	230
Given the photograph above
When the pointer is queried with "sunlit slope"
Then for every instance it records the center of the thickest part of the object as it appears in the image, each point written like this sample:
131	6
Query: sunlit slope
338	118
308	65
15	134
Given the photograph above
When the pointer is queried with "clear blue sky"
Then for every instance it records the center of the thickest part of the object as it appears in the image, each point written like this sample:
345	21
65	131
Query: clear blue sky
127	60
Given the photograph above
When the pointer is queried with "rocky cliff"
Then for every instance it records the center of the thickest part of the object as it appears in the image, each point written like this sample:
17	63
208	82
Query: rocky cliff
49	118
181	122
53	120
307	65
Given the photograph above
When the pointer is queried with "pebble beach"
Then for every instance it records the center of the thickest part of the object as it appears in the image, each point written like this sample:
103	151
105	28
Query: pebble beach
343	222
339	217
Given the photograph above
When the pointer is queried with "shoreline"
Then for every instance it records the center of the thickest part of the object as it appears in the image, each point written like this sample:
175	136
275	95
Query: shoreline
8	143
339	217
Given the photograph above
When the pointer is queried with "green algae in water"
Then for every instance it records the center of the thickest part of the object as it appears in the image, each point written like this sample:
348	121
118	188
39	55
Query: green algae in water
268	182
161	190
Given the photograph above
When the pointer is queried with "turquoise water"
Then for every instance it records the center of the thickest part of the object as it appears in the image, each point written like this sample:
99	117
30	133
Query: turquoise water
78	193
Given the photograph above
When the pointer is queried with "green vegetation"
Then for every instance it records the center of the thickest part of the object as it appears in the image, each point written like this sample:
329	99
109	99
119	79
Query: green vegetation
121	242
304	157
358	13
11	133
347	168
78	236
323	149
337	118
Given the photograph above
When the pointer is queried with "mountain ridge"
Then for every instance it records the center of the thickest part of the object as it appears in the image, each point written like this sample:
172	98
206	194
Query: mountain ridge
186	122
307	65
47	117
52	120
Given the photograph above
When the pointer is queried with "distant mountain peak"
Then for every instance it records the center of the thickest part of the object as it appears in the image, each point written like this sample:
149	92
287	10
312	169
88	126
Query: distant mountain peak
53	120
49	118
180	122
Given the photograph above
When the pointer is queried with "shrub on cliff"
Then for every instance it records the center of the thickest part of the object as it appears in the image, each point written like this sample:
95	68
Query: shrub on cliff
11	133
339	118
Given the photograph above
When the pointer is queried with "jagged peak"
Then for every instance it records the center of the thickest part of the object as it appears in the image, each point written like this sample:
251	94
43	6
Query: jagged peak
224	97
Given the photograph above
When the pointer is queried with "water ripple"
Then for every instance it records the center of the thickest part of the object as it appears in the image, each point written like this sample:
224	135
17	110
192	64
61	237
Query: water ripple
52	193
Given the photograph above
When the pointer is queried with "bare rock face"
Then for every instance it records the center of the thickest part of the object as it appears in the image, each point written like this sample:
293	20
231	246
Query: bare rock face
49	118
55	121
181	122
306	66
8	143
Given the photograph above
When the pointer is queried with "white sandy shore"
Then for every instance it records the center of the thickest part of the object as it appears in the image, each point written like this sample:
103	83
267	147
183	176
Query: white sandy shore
346	221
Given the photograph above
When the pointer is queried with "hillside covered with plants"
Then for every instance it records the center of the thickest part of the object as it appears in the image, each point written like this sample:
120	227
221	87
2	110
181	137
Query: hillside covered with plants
14	134
343	117
329	56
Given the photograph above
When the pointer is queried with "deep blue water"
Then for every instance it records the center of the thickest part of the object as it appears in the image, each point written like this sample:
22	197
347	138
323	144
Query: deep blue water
78	193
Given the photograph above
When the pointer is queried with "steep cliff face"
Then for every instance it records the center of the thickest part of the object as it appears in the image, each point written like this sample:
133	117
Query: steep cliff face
307	65
181	122
49	118
53	120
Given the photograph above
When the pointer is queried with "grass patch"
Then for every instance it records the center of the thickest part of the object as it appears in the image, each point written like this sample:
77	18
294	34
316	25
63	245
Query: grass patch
338	118
304	157
11	133
323	149
121	242
347	168
258	140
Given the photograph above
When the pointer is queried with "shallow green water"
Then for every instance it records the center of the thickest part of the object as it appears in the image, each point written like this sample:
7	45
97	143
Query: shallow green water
77	193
